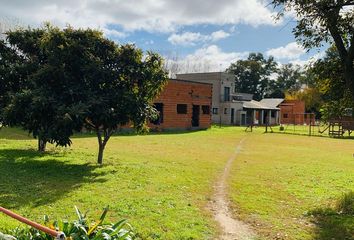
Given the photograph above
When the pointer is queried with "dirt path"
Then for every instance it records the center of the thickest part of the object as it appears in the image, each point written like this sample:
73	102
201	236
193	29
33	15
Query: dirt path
232	229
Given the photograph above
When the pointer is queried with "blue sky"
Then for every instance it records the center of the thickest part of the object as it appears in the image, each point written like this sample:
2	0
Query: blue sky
197	35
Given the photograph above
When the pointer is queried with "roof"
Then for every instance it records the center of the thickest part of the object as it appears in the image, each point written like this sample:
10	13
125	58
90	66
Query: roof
187	81
258	105
272	102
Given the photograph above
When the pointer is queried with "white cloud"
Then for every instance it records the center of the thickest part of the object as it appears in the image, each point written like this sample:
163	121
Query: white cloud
310	60
192	38
114	33
187	38
218	35
148	15
207	59
291	51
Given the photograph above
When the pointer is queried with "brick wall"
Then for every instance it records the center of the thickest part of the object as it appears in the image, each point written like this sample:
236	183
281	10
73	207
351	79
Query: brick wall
184	92
292	112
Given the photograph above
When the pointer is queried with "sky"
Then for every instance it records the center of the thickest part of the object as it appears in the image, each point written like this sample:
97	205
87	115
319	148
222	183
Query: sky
197	35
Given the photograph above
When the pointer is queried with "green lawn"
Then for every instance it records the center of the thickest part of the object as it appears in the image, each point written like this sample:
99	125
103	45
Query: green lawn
287	185
162	182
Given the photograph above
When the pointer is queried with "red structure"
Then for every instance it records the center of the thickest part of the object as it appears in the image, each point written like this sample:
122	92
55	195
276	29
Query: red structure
183	105
293	112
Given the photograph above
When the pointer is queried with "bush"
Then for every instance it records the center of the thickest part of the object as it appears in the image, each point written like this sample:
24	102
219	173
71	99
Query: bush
82	228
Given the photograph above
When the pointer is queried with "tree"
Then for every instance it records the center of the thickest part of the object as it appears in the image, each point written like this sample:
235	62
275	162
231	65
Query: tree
288	80
253	74
44	104
12	74
121	84
326	21
330	82
76	78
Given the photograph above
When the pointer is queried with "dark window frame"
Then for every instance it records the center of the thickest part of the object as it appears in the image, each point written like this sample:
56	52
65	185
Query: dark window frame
182	108
215	111
206	109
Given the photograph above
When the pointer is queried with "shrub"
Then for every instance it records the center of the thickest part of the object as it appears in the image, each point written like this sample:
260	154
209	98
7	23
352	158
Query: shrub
82	228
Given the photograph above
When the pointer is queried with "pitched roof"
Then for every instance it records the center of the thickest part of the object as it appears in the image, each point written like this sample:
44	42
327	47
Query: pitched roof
272	102
258	105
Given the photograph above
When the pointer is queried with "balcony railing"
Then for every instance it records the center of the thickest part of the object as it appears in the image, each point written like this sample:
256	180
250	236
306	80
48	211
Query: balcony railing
230	98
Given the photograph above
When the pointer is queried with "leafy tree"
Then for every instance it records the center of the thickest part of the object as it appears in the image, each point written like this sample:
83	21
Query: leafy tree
77	78
11	74
326	21
288	80
253	74
121	84
330	82
45	104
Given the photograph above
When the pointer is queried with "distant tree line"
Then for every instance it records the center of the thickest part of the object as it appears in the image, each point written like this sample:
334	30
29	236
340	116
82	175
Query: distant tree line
320	84
264	77
58	81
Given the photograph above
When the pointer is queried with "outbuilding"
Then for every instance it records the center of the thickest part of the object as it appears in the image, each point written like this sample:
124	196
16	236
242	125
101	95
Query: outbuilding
183	105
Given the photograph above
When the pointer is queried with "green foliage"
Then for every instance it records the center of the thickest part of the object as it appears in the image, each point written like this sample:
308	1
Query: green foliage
330	83
76	78
288	79
82	228
253	75
328	21
45	104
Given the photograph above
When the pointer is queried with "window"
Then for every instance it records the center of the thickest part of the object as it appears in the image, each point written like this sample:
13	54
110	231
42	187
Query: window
215	111
159	108
226	94
182	108
285	115
225	110
206	109
272	114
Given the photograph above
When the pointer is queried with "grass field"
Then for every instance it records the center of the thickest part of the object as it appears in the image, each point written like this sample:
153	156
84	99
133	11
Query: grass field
283	185
288	185
161	183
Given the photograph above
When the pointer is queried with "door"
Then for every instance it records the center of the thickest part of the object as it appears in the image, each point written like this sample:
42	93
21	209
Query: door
243	119
232	116
195	116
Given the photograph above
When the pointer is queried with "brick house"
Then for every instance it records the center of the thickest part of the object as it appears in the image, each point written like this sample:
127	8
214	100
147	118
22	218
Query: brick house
183	105
293	112
230	107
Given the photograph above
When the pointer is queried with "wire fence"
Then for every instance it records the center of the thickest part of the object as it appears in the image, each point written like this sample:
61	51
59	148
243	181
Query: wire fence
317	129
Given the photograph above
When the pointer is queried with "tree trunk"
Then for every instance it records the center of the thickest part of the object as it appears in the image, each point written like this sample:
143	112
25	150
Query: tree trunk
102	141
42	143
349	79
100	153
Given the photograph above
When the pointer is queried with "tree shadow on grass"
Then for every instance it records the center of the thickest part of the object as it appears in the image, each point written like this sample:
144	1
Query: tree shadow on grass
335	223
28	180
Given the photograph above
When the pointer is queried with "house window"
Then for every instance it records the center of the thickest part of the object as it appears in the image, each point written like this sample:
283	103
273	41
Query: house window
159	108
182	108
215	111
226	94
272	114
285	115
206	109
225	110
